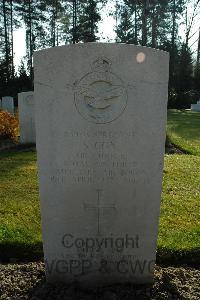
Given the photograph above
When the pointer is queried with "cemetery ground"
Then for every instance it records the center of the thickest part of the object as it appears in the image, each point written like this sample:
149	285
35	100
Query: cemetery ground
178	255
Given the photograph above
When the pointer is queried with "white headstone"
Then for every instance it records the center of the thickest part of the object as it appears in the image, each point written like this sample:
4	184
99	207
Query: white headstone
7	104
196	107
100	124
26	106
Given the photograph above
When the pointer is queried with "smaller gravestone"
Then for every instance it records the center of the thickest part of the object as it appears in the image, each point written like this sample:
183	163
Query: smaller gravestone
26	117
7	103
195	107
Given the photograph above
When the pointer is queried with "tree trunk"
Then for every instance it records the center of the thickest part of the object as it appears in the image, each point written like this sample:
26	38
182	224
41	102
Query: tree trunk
173	24
136	29
191	23
56	25
53	28
91	20
154	28
198	51
198	62
144	22
74	21
6	40
11	25
30	39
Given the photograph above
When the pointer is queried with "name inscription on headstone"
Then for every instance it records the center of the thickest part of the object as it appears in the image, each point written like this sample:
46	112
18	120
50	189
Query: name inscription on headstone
109	164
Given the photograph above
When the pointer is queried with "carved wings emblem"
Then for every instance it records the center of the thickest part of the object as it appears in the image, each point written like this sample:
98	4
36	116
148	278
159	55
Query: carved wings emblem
101	99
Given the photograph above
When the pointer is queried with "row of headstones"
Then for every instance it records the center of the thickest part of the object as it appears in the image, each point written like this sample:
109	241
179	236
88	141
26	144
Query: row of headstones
26	115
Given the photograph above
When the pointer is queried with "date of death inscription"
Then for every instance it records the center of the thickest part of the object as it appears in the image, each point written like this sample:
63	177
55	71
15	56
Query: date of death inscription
103	161
102	168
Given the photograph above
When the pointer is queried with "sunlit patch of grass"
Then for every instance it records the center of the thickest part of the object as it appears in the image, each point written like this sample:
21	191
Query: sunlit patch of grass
180	208
19	205
183	130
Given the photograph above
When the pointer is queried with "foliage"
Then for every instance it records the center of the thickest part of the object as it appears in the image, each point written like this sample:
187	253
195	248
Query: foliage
31	13
88	20
125	30
149	23
20	83
154	23
9	125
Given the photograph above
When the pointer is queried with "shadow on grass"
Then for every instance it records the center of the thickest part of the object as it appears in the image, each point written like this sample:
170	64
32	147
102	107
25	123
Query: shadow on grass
6	152
171	148
19	252
171	257
14	158
7	144
165	257
185	123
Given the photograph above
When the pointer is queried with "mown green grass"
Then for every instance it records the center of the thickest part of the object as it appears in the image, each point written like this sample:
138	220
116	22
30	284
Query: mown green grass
19	205
179	229
183	130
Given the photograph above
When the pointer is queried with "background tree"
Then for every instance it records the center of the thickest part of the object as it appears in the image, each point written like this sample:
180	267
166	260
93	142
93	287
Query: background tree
7	24
32	14
126	33
86	15
152	23
197	68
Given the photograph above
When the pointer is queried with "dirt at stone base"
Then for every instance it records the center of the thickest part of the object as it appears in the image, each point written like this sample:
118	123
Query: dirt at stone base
27	281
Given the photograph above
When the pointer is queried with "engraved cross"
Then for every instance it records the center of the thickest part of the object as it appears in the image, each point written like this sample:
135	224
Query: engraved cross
98	208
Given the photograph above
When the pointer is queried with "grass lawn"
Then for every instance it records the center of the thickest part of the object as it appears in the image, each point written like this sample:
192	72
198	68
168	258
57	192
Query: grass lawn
19	205
179	231
183	130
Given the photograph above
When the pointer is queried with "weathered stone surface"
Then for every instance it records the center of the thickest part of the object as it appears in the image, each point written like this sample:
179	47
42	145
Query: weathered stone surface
100	123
